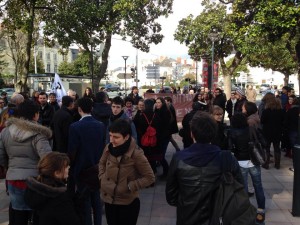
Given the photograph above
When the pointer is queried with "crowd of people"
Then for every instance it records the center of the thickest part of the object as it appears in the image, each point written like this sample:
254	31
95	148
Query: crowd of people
64	160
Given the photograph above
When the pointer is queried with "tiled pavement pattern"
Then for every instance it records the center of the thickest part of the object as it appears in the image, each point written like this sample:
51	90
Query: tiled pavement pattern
278	186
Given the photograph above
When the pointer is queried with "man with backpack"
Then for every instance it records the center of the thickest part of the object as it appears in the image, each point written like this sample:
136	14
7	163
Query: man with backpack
195	178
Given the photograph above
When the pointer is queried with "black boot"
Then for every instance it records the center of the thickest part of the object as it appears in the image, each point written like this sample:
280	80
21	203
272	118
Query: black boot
277	160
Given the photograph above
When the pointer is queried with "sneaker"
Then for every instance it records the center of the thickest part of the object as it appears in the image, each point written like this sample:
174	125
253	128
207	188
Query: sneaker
260	217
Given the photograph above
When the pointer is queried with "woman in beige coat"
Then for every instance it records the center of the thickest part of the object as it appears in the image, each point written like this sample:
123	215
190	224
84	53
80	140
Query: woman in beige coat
123	171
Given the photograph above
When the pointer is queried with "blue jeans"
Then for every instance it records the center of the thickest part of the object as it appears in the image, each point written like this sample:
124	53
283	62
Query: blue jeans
255	174
16	196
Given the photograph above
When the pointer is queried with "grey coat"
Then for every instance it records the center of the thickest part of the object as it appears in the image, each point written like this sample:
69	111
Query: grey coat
22	144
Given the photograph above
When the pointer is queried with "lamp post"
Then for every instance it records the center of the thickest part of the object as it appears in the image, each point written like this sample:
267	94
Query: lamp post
213	36
125	59
162	82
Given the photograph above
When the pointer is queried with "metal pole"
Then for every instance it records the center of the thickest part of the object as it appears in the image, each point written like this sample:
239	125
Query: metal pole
125	59
35	64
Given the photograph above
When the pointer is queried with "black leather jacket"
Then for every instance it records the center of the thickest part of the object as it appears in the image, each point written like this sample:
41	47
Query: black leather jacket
192	180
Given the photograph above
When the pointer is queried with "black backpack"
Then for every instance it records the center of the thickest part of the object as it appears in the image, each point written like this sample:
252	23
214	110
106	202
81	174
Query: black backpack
231	202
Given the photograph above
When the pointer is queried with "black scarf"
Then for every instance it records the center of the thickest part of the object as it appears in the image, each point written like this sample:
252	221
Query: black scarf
119	150
114	117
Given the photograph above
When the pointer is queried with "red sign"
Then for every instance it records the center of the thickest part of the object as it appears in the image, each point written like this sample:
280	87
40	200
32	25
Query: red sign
181	102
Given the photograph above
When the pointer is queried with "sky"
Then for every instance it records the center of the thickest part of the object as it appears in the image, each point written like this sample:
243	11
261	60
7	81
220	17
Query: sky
168	47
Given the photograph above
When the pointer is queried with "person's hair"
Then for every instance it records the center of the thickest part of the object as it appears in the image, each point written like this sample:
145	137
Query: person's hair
52	162
16	99
33	94
203	127
52	94
28	109
169	99
43	93
6	113
128	99
268	96
117	101
287	88
273	104
220	90
133	88
25	94
295	100
163	101
250	107
101	97
239	120
149	105
67	100
86	104
121	126
217	110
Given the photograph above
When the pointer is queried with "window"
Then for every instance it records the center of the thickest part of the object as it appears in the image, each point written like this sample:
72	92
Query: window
55	68
48	68
55	57
48	56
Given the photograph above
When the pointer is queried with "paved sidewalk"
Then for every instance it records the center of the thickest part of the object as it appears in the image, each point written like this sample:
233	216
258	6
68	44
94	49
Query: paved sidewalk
278	186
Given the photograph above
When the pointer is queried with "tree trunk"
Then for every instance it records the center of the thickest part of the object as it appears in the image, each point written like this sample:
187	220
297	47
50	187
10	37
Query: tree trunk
286	79
23	81
103	66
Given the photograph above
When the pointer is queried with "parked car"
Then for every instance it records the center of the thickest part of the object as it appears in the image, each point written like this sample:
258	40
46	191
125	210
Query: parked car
264	88
112	87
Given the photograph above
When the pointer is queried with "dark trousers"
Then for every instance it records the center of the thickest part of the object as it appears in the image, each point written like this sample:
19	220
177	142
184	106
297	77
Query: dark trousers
122	214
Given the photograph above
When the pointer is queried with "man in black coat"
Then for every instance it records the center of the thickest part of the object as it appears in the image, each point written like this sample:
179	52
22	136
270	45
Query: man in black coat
194	172
134	95
101	110
60	125
46	110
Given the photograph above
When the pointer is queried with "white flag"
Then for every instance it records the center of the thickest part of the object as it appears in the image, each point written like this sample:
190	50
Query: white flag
58	88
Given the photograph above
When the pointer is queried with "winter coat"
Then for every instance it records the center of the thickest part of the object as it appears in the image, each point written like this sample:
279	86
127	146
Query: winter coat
141	124
221	138
238	105
60	125
122	177
173	125
272	121
230	108
238	139
46	115
52	203
135	98
185	132
165	118
192	179
22	144
291	118
220	100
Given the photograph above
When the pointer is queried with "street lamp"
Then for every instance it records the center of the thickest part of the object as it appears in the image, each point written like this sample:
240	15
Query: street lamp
125	59
162	82
213	36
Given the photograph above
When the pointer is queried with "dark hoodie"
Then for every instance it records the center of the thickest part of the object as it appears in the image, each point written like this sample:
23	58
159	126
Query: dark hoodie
51	202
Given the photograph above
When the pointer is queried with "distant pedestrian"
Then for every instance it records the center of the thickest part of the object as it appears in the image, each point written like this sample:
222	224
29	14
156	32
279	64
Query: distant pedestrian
53	102
240	100
134	95
46	110
88	93
251	94
230	105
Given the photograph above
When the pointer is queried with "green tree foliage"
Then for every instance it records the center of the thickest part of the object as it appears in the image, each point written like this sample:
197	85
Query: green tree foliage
89	23
275	24
80	66
21	16
195	32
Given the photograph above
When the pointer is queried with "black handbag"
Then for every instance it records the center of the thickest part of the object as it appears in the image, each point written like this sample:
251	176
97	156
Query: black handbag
257	150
